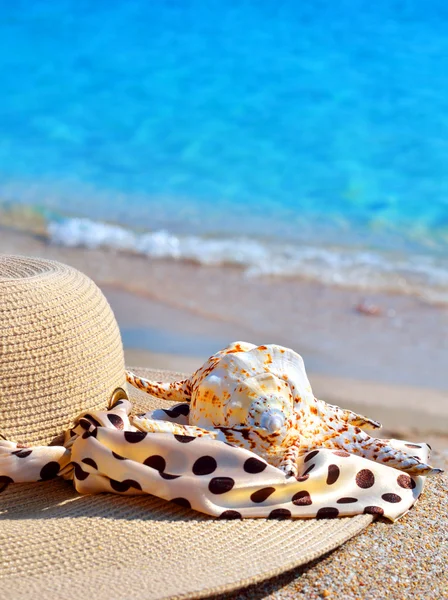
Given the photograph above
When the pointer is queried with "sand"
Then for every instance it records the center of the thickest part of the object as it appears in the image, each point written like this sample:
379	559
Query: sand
406	345
391	367
387	561
397	561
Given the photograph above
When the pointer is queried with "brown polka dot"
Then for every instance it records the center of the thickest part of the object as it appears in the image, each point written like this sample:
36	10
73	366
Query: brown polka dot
168	476
123	486
327	513
90	462
373	510
308	470
302	498
184	439
221	485
22	453
92	420
253	465
182	502
302	477
406	482
118	456
230	514
393	498
311	455
204	465
412	445
346	500
49	471
88	434
4	482
133	437
80	474
341	453
365	478
333	474
116	421
155	462
134	484
182	409
262	495
280	513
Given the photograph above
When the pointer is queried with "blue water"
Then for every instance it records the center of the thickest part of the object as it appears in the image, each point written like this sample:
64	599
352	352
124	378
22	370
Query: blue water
323	121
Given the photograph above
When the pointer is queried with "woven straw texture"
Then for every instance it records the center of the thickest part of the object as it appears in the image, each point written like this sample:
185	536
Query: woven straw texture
53	542
60	348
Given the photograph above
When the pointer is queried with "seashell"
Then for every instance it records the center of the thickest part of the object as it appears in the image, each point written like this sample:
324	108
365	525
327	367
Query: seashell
369	309
259	398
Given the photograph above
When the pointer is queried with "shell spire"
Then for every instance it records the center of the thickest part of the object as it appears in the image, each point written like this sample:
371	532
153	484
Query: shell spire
178	391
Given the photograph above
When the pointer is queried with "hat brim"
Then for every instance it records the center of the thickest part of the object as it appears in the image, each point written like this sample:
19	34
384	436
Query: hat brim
53	540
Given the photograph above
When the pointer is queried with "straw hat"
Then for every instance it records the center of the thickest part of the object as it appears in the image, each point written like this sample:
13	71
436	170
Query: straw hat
61	355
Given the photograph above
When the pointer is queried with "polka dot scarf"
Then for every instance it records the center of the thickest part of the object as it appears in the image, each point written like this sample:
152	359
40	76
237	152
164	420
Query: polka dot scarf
106	452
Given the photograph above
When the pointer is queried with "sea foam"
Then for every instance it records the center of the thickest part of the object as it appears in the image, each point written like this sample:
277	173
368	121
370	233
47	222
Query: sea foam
423	275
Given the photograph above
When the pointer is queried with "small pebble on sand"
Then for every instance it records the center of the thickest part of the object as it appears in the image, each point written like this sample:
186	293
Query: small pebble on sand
367	308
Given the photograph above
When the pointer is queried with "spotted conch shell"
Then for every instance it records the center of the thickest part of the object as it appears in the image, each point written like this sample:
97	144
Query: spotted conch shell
259	398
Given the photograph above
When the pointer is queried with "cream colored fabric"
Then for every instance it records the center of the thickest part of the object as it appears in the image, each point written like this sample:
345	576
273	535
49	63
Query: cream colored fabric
105	452
60	348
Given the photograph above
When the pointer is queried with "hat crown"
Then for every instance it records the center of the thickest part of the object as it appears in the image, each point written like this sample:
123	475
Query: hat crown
60	348
21	269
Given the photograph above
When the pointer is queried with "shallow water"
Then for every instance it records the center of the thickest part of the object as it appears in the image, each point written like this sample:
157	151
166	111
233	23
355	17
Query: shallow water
314	131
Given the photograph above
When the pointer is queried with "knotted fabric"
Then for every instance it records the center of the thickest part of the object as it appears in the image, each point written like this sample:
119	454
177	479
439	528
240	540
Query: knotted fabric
106	452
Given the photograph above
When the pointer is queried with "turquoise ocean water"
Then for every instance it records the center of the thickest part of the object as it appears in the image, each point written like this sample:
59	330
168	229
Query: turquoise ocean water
293	138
